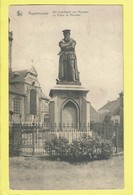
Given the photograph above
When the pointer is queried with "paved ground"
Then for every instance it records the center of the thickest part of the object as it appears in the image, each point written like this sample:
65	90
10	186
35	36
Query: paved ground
42	174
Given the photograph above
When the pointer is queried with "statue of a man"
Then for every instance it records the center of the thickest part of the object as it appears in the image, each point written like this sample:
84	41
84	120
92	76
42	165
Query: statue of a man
68	70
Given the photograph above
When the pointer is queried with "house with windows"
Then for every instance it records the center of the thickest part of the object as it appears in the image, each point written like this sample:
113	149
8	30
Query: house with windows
112	111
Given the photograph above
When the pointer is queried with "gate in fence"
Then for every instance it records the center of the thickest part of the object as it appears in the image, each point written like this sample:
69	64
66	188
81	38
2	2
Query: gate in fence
29	139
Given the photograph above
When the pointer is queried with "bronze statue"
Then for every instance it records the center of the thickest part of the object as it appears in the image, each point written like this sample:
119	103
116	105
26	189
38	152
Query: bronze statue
68	70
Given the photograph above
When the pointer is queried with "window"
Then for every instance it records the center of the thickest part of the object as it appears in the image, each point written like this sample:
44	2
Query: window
33	104
17	105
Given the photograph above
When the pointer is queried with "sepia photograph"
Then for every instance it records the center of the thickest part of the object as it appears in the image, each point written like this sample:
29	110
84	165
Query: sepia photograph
66	97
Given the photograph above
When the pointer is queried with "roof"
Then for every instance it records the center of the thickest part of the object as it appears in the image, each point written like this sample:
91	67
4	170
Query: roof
93	114
20	75
112	106
13	89
92	109
117	111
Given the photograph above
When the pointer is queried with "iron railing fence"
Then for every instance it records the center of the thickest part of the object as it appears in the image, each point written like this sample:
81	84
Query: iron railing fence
30	138
110	131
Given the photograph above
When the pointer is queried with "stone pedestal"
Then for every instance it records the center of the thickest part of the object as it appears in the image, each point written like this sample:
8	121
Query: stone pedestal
69	106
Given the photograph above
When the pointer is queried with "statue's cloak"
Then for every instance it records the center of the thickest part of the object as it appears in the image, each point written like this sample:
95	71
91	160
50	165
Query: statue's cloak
64	57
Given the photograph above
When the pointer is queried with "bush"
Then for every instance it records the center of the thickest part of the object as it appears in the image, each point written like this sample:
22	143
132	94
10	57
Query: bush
84	148
57	146
106	149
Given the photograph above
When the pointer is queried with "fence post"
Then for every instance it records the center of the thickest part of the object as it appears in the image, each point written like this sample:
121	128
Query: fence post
20	134
33	140
116	134
11	141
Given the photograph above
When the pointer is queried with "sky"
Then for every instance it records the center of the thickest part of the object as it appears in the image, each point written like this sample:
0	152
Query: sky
98	32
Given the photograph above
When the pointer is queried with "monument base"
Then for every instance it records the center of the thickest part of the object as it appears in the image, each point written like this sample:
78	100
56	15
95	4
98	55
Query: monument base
58	82
69	106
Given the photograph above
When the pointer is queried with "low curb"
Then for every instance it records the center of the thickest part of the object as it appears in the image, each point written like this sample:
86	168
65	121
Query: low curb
118	154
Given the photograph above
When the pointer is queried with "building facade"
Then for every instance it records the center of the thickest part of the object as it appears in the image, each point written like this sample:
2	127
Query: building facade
27	102
112	111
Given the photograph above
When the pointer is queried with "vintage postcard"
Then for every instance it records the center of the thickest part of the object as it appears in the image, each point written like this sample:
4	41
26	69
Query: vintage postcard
66	97
66	118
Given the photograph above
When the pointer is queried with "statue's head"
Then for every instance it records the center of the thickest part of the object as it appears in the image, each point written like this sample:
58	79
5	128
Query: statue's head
66	33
